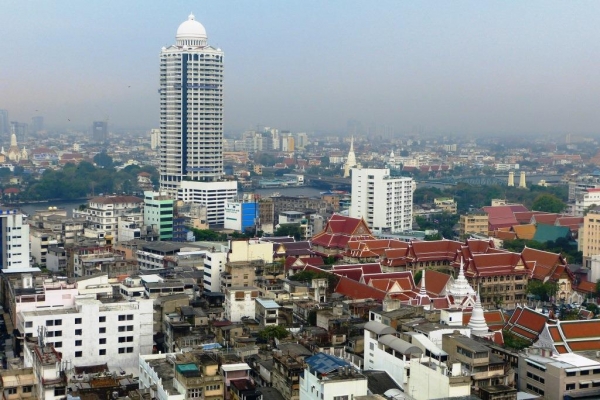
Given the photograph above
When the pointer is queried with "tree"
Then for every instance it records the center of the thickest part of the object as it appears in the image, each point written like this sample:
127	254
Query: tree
512	341
273	332
289	230
548	203
418	277
542	290
103	160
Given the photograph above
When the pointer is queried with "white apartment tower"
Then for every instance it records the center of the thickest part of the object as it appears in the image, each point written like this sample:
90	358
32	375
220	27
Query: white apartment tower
383	201
191	109
14	240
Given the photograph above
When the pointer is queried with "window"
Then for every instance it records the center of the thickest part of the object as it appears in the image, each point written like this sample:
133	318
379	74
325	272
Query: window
571	373
60	391
121	350
11	390
340	397
130	349
57	344
78	354
78	321
27	389
102	330
102	352
58	333
586	372
78	343
213	387
570	386
535	389
130	317
28	324
195	393
58	322
50	322
78	332
584	385
101	319
102	341
126	328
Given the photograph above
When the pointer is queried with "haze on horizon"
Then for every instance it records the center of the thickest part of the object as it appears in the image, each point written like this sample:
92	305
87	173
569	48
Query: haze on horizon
449	67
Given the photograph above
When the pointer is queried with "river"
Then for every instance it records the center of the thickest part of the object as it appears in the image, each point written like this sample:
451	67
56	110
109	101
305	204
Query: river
69	205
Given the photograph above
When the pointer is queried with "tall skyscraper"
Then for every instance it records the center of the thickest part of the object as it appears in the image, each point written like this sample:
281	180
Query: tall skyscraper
385	202
191	109
100	131
4	123
191	122
37	124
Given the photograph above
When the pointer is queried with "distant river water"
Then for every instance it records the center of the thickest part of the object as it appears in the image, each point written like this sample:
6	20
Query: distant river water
69	205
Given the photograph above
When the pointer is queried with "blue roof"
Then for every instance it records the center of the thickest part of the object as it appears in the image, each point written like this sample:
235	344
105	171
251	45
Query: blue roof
211	346
325	363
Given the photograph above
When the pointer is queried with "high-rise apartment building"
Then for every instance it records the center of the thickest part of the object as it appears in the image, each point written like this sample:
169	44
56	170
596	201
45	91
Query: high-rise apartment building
37	124
154	138
385	202
14	240
191	109
100	131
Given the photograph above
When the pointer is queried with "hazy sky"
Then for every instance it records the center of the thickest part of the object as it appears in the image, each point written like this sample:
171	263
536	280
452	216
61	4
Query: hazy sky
446	66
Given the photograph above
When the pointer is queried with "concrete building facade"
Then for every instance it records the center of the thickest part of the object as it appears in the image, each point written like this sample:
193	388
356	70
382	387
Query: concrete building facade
385	202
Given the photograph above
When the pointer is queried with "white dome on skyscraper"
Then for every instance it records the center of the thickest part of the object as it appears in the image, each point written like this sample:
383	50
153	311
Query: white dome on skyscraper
191	32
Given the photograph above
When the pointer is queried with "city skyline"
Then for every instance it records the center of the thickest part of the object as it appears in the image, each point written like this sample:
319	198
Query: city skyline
461	67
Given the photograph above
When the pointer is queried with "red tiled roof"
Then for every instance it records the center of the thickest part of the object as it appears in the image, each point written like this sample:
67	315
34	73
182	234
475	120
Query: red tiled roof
549	219
494	319
526	323
584	345
435	282
554	333
434	250
390	275
524	217
561	349
356	290
544	263
580	329
339	230
503	216
586	287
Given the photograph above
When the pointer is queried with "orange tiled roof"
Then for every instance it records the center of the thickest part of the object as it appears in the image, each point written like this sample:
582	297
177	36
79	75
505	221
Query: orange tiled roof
525	232
526	323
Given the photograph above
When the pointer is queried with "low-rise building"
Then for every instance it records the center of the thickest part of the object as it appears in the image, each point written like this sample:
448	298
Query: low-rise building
240	302
94	331
473	223
477	360
327	377
562	376
433	379
266	312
